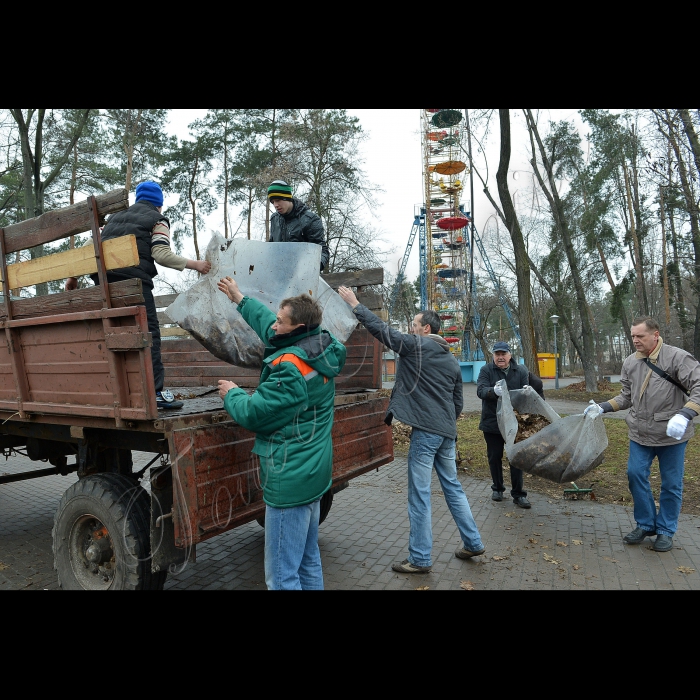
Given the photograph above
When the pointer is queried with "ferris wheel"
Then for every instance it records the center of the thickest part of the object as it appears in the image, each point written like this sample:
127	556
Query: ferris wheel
446	240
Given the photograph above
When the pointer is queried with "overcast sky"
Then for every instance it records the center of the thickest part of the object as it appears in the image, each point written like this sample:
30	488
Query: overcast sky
393	161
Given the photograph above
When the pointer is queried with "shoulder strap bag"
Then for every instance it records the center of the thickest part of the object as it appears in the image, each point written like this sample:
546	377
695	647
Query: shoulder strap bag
665	375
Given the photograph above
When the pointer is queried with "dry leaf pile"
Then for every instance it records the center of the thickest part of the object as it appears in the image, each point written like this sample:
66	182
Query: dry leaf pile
401	433
529	424
605	385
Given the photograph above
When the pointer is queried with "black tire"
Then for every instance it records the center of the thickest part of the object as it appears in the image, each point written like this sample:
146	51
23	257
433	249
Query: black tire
326	503
101	536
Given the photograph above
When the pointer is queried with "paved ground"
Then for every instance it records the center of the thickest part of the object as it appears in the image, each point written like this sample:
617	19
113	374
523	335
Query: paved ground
558	544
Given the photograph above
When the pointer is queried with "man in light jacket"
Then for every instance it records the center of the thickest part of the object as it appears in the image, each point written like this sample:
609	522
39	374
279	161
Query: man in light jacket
661	387
427	395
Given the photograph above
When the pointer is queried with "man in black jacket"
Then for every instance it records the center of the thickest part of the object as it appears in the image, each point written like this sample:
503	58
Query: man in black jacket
517	377
427	395
144	219
294	221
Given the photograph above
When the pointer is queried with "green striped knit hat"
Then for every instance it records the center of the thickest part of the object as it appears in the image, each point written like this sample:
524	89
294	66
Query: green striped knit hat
279	188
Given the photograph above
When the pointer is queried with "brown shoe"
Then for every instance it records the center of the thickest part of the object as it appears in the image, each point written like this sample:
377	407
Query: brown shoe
464	553
405	567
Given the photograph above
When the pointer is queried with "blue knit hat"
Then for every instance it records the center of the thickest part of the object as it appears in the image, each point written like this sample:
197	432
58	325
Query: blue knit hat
150	192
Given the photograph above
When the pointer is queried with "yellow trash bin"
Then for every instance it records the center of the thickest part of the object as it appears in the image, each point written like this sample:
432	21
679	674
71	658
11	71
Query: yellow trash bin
547	364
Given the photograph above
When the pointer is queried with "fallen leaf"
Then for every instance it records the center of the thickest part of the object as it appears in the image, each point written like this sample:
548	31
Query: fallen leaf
422	588
685	570
614	561
4	566
575	567
587	515
466	585
576	541
544	546
537	534
509	515
497	558
551	560
562	544
532	540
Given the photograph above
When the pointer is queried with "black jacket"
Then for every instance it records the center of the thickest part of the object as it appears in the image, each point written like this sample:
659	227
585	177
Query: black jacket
139	219
301	224
518	376
427	393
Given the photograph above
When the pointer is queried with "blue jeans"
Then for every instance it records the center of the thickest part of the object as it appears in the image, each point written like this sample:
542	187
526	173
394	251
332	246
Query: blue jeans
671	467
428	450
292	556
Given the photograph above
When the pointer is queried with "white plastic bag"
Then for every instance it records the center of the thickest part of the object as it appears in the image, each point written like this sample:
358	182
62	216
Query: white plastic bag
563	451
269	272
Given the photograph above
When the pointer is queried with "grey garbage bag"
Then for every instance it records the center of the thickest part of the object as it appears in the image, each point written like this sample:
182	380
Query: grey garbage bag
563	451
265	272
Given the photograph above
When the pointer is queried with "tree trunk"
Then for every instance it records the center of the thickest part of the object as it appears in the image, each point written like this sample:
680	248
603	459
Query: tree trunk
273	143
561	225
193	204
641	291
692	136
226	183
522	269
667	307
694	227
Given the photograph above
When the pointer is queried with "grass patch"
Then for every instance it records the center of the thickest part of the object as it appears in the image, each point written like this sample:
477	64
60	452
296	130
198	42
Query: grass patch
609	480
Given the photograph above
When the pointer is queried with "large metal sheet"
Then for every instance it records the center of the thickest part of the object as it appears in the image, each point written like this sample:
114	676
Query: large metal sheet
264	271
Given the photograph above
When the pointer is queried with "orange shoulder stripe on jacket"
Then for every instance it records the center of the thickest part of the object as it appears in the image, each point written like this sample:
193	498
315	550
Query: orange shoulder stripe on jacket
307	371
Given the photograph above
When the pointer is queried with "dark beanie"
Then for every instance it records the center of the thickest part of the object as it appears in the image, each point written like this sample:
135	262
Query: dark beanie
279	188
150	192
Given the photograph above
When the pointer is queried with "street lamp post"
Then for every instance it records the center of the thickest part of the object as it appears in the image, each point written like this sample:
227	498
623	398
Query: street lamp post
555	320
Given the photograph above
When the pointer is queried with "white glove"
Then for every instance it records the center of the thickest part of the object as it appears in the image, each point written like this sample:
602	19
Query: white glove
593	410
498	390
676	426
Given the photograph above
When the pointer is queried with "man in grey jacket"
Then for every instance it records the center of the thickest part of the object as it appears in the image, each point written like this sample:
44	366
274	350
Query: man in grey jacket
661	387
427	395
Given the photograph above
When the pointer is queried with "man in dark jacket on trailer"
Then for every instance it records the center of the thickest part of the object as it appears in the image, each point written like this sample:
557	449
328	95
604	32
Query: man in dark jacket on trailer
294	221
145	220
517	377
427	395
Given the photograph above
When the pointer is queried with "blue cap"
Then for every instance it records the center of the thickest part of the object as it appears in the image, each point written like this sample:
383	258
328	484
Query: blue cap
150	192
501	346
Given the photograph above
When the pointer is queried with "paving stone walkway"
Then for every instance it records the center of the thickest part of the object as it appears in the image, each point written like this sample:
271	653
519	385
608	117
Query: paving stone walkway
557	544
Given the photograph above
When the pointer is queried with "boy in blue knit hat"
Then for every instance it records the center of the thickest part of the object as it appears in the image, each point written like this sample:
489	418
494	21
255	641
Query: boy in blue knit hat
145	220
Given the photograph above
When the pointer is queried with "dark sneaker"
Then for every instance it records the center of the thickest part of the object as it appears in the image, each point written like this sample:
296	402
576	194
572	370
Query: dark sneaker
464	553
522	502
405	567
663	543
496	496
165	399
637	536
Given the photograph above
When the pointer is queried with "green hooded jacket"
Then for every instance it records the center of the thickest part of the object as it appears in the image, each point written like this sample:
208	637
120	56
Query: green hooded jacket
291	411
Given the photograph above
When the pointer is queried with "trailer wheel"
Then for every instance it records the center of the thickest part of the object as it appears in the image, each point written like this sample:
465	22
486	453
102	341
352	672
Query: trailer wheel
101	536
326	503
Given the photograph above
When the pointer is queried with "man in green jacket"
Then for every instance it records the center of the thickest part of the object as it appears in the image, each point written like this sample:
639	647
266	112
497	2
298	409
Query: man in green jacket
291	413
